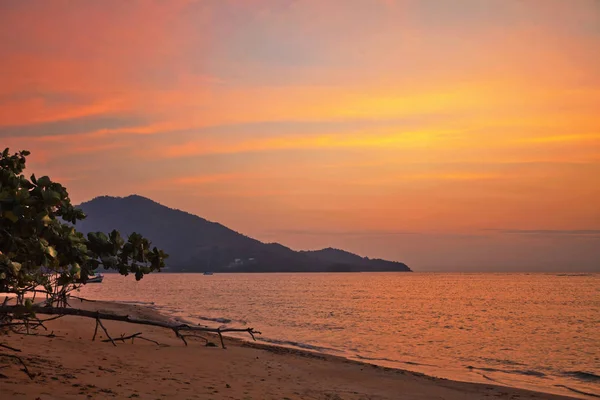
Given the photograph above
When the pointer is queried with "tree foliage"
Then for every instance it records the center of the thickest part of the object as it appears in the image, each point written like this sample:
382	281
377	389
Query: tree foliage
40	249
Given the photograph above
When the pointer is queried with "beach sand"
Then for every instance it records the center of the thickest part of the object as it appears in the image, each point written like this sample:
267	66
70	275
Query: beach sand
72	366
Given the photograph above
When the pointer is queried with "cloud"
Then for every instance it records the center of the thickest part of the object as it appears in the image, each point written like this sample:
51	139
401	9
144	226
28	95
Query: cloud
308	232
80	125
591	137
382	139
548	232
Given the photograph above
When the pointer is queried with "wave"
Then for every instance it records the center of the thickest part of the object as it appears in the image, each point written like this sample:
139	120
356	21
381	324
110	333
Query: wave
583	376
358	356
527	372
578	391
502	361
142	303
220	320
300	345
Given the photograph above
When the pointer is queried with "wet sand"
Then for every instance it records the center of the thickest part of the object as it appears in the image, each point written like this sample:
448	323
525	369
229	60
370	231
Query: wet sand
72	366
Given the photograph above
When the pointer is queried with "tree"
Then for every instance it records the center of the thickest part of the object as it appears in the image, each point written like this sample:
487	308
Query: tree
40	249
41	253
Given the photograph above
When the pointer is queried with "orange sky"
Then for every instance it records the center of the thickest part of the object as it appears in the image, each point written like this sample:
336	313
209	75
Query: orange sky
449	135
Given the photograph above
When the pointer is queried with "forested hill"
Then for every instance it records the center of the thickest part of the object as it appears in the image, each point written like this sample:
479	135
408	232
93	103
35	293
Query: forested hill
197	245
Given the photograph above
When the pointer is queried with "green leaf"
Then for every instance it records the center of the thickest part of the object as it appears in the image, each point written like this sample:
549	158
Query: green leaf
51	251
76	271
44	181
51	197
10	216
44	218
33	179
16	267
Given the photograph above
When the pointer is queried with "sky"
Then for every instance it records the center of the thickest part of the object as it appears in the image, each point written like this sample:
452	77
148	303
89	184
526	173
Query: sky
451	135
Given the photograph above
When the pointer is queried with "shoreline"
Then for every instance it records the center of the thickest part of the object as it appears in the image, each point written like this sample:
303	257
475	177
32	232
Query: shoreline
172	370
325	353
283	349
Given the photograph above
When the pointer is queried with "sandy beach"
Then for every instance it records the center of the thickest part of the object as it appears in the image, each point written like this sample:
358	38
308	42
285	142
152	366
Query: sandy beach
72	366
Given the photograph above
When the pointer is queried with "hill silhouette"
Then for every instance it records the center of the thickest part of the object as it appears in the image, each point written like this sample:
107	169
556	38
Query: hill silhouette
197	245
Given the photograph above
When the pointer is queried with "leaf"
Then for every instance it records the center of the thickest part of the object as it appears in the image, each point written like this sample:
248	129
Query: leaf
10	216
33	179
45	219
51	251
76	271
51	197
44	181
109	261
16	267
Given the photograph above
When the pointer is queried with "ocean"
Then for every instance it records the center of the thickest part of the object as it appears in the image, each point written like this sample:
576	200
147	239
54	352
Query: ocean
532	331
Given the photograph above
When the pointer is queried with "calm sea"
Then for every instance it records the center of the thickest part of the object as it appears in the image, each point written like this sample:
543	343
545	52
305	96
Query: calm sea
535	331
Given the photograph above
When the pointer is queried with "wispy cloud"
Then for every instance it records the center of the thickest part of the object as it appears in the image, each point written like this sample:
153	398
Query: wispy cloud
359	233
564	138
73	126
548	232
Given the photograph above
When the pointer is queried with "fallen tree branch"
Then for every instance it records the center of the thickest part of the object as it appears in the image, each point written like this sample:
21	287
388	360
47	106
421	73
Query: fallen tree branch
99	322
30	323
197	337
177	328
5	346
123	338
25	369
81	299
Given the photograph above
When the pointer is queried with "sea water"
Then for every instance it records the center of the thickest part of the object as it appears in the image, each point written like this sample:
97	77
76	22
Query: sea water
533	331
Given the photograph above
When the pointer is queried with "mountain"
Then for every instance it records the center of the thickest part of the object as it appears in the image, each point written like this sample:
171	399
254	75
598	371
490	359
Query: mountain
344	258
197	245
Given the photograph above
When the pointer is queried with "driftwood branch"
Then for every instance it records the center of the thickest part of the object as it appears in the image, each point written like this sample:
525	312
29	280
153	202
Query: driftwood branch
19	359
123	338
176	328
81	299
29	323
99	322
5	346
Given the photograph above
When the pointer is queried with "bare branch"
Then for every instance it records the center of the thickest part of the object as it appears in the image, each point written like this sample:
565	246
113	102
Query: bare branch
134	336
177	328
99	322
95	330
81	299
5	346
25	369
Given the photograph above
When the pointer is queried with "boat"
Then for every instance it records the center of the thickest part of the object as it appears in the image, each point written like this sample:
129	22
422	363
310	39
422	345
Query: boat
95	278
